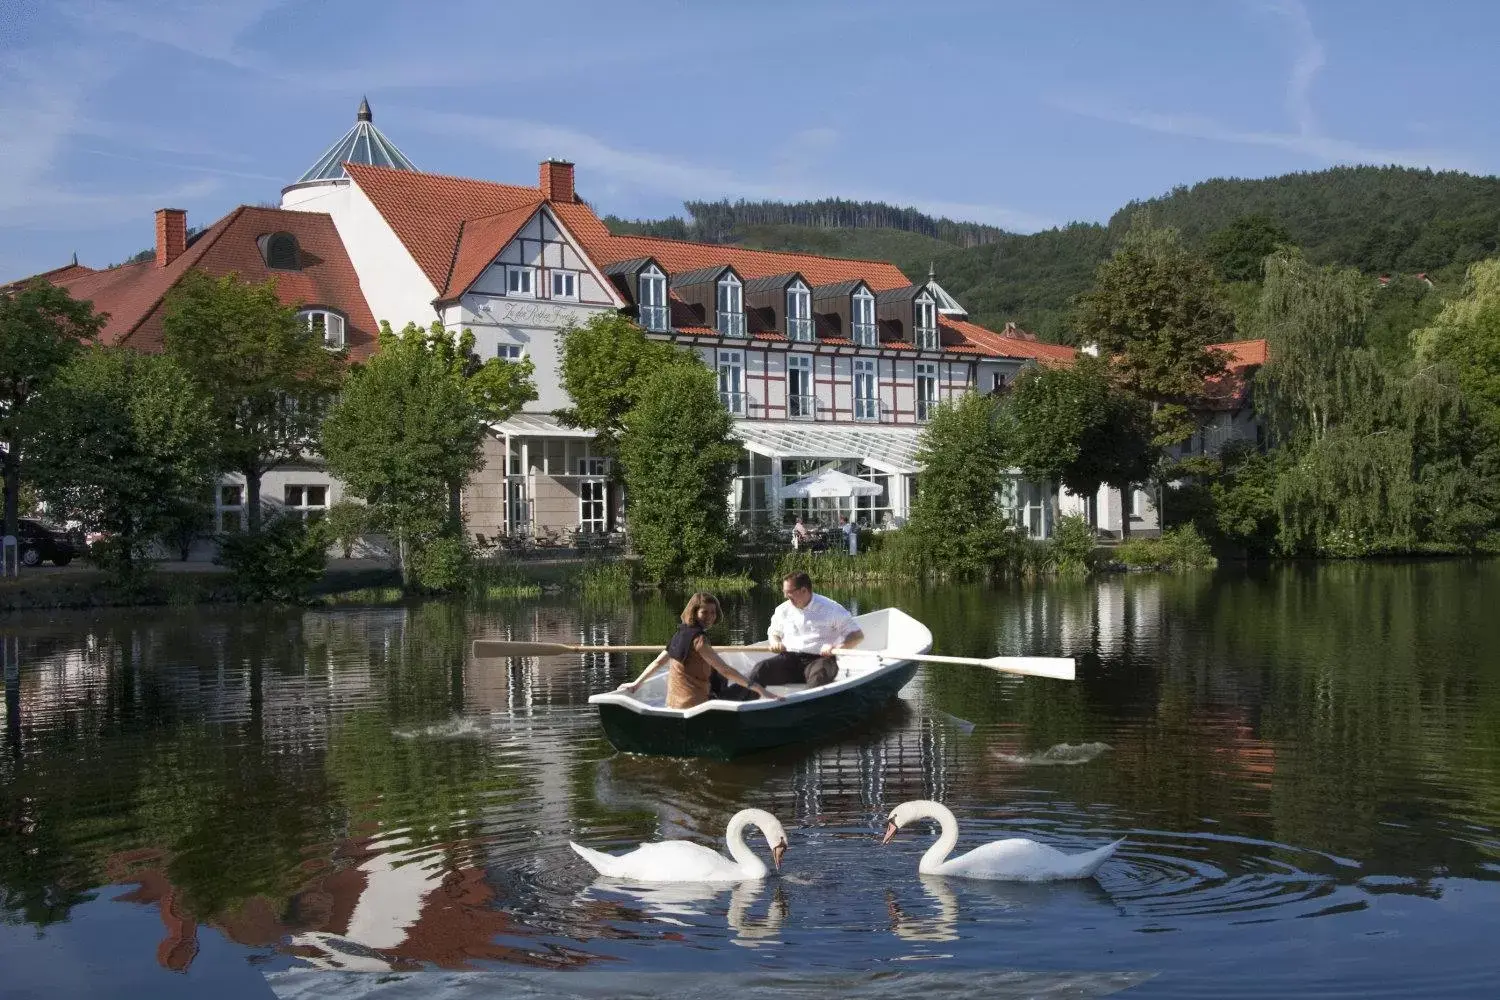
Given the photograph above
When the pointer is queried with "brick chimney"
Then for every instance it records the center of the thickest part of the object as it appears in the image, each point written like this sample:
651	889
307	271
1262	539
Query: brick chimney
171	235
557	180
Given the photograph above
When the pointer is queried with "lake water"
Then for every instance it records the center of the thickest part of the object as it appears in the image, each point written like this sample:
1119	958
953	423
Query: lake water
1305	763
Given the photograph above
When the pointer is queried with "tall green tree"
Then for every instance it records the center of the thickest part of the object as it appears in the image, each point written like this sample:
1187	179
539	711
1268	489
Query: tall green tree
1239	250
1073	425
409	428
267	372
957	520
120	440
605	364
42	328
678	456
1155	307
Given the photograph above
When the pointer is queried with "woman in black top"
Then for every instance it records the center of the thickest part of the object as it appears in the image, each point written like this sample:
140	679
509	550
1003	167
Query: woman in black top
697	673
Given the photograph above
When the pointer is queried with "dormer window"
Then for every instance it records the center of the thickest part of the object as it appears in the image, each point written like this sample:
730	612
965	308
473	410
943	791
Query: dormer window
520	281
730	300
652	296
327	325
280	252
926	328
799	324
862	326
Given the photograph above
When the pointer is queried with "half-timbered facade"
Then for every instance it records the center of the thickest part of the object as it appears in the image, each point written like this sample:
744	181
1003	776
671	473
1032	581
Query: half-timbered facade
820	360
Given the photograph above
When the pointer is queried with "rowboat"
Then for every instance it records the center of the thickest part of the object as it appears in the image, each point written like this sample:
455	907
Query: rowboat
641	722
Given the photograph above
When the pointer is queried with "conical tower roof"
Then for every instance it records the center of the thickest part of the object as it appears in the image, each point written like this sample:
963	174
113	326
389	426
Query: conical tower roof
364	143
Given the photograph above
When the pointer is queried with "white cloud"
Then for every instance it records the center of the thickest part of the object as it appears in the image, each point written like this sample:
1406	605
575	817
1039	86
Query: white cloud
685	179
1308	139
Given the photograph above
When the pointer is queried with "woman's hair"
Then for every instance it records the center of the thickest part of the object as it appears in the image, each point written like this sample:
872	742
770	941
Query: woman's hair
695	606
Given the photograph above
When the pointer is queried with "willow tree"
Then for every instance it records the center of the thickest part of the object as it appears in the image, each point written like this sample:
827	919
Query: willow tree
1381	458
1467	332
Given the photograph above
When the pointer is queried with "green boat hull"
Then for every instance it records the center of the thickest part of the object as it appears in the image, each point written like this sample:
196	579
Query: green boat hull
729	734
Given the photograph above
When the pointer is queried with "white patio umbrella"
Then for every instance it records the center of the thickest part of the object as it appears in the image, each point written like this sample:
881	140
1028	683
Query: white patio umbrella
830	484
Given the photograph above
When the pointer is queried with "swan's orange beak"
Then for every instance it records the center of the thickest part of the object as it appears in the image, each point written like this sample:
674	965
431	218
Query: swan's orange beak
776	853
890	832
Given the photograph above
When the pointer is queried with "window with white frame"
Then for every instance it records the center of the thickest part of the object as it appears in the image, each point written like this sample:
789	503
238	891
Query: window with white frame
327	325
653	300
564	285
231	507
862	326
926	324
866	403
801	401
307	502
510	352
593	494
926	389
799	323
520	280
732	381
730	299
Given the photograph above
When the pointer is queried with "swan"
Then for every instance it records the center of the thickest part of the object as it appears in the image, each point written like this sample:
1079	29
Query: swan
1015	859
685	861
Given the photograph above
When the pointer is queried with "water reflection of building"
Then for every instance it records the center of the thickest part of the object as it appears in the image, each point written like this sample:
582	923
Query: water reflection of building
375	909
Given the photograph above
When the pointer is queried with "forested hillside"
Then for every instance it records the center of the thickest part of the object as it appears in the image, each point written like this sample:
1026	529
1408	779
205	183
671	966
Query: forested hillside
1379	219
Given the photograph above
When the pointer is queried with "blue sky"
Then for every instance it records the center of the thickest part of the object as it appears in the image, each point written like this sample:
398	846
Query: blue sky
1021	113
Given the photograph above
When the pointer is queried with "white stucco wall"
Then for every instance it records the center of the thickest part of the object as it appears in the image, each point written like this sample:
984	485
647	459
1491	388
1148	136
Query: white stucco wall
390	279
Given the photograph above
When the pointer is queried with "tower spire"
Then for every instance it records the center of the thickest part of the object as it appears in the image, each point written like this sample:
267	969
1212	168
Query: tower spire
363	114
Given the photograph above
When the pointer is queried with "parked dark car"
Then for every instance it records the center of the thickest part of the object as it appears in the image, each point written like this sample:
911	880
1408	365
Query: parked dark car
37	542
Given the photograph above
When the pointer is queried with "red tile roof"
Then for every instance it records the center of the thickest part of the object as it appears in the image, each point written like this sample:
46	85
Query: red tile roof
1231	390
434	217
1009	347
480	242
133	294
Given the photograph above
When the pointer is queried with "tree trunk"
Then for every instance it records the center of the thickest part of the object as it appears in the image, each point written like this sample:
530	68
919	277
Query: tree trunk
1127	494
456	506
11	468
401	555
252	498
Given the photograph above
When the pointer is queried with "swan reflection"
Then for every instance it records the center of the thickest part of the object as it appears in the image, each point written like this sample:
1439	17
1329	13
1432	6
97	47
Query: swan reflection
672	902
993	902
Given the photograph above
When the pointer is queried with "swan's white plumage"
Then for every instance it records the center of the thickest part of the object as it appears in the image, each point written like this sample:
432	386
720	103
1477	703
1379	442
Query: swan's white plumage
1015	859
685	861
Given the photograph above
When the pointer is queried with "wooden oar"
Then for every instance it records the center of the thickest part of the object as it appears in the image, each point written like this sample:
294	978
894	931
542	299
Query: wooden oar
1059	667
488	649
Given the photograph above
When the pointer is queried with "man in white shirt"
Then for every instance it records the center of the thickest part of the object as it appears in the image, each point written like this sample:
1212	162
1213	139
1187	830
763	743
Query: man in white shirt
805	631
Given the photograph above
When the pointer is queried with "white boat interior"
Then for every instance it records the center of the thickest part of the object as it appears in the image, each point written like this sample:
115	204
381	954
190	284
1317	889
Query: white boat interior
889	629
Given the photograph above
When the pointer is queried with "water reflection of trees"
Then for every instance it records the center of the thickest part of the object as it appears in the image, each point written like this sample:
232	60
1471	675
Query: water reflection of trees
251	770
1350	709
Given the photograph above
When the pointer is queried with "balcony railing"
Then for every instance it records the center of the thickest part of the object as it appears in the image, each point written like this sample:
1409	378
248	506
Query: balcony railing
799	329
864	335
734	402
925	409
654	318
927	339
801	407
732	324
867	409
